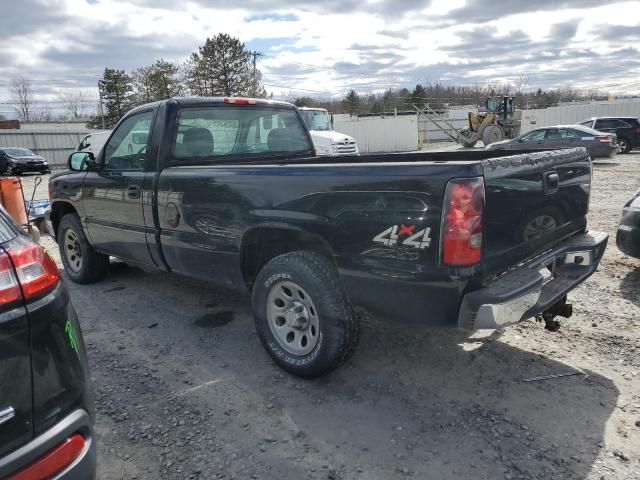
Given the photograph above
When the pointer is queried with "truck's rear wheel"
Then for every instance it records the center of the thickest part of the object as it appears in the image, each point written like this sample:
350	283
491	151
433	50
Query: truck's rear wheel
81	262
302	316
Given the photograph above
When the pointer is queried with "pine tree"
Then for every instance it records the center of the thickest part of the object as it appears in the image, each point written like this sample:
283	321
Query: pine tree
222	67
352	102
116	90
156	82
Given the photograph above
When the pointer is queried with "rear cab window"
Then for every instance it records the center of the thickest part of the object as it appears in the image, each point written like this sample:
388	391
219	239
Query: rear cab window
215	133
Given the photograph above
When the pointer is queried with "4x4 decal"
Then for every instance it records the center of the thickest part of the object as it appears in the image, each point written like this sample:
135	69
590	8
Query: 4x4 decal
391	236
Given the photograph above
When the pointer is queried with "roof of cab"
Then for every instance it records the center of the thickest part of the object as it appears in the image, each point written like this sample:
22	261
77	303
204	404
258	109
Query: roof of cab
204	101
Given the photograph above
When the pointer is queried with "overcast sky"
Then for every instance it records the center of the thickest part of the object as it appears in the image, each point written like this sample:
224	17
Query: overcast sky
322	48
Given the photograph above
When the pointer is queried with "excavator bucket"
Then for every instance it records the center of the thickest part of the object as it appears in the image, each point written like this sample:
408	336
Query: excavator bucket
477	126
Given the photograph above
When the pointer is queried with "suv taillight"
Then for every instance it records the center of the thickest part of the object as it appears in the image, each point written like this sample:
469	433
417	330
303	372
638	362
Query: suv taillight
461	235
26	271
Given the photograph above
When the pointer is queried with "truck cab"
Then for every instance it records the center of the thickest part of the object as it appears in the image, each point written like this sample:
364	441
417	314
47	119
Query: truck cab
327	141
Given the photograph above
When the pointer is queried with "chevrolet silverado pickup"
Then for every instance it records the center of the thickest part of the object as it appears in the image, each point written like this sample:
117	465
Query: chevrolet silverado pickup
229	190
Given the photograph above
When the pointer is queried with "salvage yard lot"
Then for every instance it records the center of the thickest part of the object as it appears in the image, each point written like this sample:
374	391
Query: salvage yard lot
184	389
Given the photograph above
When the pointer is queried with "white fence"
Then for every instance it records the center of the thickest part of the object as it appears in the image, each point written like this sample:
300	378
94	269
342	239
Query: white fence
54	141
572	114
380	134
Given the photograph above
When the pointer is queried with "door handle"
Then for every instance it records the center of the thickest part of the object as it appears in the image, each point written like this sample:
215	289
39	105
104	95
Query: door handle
133	191
551	183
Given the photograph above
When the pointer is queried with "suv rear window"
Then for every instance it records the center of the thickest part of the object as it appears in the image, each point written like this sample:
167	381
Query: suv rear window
611	123
210	134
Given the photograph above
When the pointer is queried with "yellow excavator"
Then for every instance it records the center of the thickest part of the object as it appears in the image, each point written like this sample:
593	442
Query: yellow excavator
500	120
496	123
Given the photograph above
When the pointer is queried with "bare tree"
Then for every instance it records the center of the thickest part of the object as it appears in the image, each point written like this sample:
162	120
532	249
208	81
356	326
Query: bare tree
22	95
42	115
75	103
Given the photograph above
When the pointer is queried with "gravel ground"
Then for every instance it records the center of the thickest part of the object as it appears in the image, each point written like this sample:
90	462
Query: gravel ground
185	391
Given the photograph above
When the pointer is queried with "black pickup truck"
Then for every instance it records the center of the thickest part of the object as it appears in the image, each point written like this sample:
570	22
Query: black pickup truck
228	190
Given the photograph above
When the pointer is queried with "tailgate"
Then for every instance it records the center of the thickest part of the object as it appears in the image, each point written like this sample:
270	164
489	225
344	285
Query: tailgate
533	202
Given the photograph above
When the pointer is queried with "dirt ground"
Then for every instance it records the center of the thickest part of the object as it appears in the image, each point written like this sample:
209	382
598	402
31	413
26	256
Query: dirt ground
184	390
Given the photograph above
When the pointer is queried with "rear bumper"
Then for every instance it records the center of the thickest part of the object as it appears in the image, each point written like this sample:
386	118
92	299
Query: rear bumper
525	292
628	235
604	150
82	468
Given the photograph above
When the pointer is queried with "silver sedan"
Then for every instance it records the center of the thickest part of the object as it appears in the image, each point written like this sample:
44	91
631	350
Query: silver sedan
599	144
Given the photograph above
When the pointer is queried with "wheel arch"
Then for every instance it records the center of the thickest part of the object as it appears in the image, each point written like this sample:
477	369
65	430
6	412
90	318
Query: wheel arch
263	243
58	210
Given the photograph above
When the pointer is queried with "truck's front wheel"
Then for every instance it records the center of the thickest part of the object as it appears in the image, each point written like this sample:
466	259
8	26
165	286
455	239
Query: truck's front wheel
81	262
302	316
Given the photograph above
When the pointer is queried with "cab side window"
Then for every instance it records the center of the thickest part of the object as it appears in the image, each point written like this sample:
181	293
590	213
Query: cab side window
127	148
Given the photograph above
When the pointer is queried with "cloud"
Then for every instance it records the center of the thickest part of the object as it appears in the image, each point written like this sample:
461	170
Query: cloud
563	32
22	16
617	32
381	7
327	47
479	11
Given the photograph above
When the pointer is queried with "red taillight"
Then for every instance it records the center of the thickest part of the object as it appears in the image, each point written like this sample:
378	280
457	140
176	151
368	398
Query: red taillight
240	101
604	139
9	286
54	461
462	222
26	271
37	272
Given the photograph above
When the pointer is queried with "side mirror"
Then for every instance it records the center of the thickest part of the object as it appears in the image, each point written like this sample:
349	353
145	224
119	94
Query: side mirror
81	161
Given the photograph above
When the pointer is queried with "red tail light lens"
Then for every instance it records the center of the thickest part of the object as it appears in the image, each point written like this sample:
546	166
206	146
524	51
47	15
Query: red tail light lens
37	272
462	230
26	271
604	139
9	286
54	461
240	101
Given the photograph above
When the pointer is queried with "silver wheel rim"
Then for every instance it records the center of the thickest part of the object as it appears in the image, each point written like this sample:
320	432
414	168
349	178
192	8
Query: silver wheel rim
623	145
293	318
539	226
72	251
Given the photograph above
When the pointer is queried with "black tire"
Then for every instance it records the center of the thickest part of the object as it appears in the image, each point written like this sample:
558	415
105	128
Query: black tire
625	145
92	266
338	324
10	170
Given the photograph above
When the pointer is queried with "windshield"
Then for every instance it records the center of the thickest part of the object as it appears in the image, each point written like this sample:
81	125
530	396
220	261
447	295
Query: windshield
19	152
317	120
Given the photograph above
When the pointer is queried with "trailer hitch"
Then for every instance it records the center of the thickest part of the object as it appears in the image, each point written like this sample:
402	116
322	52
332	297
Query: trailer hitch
558	309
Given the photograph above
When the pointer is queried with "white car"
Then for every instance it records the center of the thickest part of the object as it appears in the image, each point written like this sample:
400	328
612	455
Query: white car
326	141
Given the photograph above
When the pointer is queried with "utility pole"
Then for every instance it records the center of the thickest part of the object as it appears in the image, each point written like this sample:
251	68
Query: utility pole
255	55
101	111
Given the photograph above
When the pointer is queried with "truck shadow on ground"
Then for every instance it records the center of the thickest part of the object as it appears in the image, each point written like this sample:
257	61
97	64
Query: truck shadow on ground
630	286
413	401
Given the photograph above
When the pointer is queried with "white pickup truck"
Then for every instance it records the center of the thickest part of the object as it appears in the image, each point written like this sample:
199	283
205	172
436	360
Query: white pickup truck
325	140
